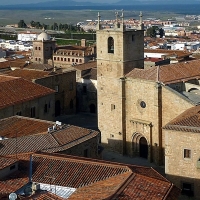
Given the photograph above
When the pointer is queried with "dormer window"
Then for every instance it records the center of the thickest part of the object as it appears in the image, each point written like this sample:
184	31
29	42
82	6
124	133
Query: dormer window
110	45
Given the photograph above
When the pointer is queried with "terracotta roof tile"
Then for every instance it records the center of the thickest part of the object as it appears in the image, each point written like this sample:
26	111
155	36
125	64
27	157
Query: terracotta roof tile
88	65
28	74
72	172
37	138
188	121
177	53
18	90
42	67
169	73
5	162
4	65
44	196
94	179
17	126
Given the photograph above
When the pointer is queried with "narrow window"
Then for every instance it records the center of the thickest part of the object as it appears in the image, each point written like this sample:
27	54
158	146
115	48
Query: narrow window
33	112
84	89
57	88
85	153
112	106
39	48
110	45
45	108
12	167
54	58
68	59
187	153
19	113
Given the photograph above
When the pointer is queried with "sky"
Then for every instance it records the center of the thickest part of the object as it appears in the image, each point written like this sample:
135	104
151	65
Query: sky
14	2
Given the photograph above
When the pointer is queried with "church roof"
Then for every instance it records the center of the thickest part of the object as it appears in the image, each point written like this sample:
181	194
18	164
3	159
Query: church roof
171	73
188	121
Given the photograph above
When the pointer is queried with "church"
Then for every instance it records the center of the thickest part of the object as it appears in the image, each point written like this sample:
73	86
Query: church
135	103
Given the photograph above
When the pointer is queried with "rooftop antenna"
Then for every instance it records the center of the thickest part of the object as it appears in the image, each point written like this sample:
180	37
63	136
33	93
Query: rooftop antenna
122	16
117	15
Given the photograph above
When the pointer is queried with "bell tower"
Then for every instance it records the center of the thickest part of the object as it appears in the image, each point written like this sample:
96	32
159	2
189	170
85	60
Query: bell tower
119	50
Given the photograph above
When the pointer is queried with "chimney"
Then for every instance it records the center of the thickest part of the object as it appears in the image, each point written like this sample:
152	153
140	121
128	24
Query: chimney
83	42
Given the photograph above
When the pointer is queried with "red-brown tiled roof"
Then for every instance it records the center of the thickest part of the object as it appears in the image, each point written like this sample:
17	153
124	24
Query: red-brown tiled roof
42	67
4	65
188	121
177	53
5	162
171	73
97	179
55	141
88	65
17	90
18	126
45	195
28	74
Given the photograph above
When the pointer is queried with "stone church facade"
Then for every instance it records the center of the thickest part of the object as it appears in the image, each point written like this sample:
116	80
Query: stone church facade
135	103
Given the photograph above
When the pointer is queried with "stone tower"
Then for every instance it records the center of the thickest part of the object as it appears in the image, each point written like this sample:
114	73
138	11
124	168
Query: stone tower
43	48
119	50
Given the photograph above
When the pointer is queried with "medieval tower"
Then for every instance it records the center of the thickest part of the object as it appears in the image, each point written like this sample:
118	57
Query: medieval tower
43	48
119	50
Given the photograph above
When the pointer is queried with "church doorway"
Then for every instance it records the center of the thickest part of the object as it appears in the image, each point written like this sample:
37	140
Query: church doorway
57	108
143	148
92	108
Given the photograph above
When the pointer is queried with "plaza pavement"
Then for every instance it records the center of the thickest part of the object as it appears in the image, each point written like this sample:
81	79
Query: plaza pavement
88	120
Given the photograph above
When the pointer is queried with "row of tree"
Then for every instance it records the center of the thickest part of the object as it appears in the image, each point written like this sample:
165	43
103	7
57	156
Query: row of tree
54	26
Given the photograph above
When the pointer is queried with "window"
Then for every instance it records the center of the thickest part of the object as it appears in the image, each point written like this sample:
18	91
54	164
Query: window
45	108
12	167
76	60
19	113
58	58
85	153
35	48
187	153
112	106
187	189
80	60
71	104
57	88
72	59
33	112
65	59
84	89
54	58
68	59
61	59
35	59
39	48
110	45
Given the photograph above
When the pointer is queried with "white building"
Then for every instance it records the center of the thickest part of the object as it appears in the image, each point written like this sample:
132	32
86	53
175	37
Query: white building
27	36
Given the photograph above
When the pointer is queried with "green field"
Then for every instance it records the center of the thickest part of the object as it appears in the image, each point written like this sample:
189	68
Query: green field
70	17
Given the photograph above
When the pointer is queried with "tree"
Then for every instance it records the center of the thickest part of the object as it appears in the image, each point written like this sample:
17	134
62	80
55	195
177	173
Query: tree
154	31
22	24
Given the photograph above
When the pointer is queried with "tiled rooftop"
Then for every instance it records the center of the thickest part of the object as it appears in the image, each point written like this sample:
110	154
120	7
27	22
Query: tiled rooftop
18	90
96	179
36	137
171	73
88	65
28	74
188	121
4	65
5	162
42	67
177	53
18	126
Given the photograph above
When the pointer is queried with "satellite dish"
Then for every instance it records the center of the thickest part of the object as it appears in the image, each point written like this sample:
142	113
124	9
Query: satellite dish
12	196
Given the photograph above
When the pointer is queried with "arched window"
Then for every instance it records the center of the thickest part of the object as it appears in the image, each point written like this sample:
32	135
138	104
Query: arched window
110	45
